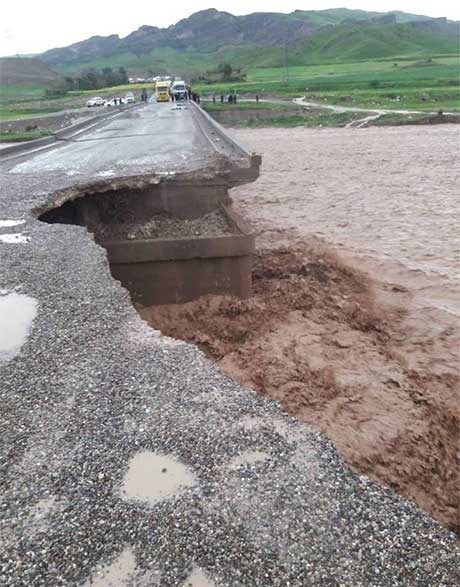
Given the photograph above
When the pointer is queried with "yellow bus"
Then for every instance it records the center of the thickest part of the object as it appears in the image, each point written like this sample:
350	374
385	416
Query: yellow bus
162	91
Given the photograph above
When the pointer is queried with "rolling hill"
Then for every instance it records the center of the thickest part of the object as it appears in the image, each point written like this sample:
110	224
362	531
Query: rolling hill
262	39
24	70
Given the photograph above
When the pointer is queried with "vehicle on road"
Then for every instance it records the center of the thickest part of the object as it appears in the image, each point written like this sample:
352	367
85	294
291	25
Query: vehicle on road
96	101
162	91
114	102
179	90
129	98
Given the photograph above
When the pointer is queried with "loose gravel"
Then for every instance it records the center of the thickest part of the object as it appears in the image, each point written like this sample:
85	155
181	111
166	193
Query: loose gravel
166	226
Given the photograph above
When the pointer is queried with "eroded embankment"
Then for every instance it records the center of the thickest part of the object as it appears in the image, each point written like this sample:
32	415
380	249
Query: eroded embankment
313	338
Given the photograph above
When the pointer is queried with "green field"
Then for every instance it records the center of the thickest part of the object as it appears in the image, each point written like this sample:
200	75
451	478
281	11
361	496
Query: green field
26	135
420	84
406	82
218	107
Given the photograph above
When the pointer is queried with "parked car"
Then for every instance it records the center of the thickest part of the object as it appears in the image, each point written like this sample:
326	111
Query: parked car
97	101
114	102
129	98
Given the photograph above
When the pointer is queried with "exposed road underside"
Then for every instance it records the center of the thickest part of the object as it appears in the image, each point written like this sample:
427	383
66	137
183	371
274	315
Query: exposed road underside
94	402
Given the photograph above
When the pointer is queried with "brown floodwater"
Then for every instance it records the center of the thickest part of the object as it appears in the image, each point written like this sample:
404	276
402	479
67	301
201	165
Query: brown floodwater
353	325
390	195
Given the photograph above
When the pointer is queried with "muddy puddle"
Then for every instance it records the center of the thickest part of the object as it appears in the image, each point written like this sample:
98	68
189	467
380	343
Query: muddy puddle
198	578
17	312
152	477
317	337
115	574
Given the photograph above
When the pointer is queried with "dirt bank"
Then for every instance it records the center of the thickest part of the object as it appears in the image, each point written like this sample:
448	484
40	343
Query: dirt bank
314	338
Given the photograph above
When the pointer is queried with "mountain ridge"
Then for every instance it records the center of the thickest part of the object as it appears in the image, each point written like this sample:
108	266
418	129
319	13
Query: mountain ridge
211	30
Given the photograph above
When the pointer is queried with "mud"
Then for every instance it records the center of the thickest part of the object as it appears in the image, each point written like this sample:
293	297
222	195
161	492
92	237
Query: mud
318	337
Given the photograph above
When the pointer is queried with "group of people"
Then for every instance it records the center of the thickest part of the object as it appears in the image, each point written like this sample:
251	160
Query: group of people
231	98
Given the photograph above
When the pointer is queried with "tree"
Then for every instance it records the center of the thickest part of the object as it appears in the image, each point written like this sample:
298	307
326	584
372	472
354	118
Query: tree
122	76
226	70
109	78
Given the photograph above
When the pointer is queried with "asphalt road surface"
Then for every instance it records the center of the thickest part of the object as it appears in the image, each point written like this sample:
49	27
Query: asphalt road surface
164	137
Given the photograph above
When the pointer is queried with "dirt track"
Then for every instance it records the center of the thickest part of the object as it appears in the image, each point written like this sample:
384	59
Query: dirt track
368	357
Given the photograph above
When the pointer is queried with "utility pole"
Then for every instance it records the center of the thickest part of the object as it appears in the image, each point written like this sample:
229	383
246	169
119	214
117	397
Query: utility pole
286	69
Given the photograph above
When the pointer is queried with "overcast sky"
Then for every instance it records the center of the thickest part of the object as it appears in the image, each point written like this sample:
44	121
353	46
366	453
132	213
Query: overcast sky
34	27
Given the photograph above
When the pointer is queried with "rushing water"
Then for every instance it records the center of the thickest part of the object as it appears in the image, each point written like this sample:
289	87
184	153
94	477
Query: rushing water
391	194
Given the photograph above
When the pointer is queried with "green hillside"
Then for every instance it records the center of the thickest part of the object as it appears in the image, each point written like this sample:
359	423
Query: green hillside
348	43
337	44
345	43
333	16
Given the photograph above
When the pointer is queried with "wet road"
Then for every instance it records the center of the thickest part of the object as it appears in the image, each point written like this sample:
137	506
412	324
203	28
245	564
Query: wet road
158	136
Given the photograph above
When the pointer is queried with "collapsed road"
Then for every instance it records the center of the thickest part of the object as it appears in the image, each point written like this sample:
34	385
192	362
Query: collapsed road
127	457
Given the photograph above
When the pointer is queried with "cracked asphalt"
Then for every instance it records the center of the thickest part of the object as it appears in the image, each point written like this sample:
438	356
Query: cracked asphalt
268	502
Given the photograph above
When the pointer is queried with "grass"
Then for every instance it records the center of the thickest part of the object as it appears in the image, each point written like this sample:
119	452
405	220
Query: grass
16	137
369	84
18	93
122	88
218	107
12	113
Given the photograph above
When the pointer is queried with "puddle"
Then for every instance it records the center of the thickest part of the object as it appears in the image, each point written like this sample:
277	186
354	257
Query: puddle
116	574
14	238
198	578
17	312
45	506
40	512
249	457
9	223
152	477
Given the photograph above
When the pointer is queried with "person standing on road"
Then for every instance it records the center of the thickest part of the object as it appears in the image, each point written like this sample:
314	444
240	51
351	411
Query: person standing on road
221	98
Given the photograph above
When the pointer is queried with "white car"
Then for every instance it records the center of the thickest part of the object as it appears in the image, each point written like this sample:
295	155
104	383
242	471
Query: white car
114	102
97	101
129	98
